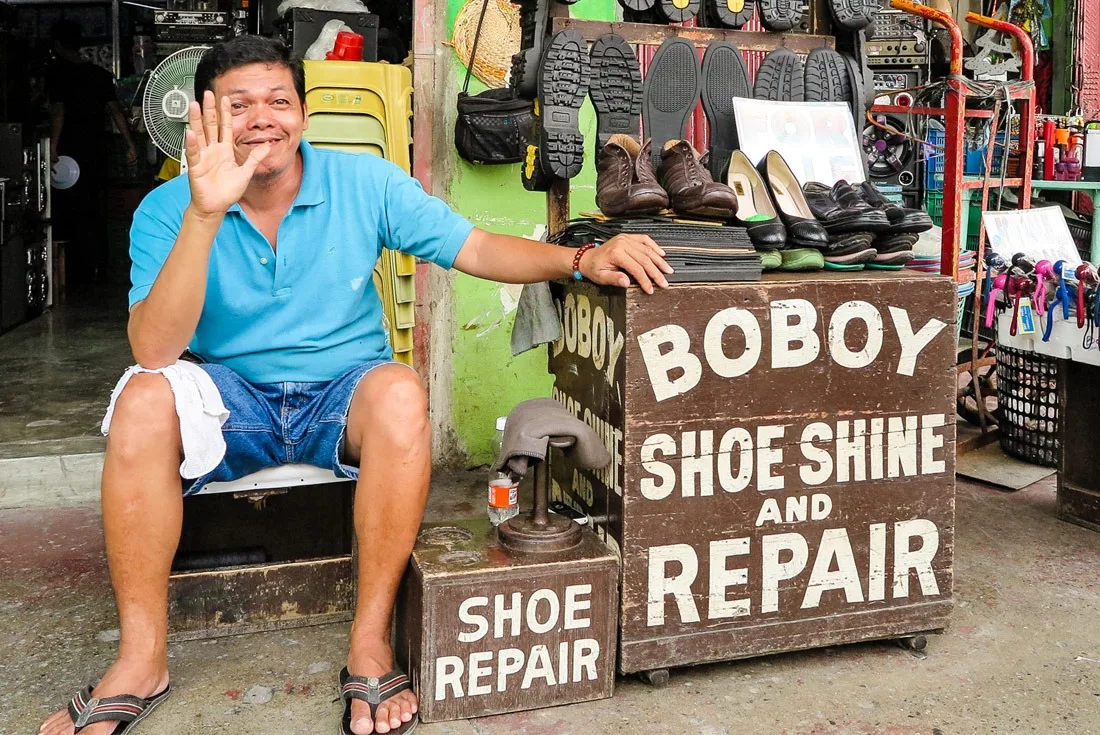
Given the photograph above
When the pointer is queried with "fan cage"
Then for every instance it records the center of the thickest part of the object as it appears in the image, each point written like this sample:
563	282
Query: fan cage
176	72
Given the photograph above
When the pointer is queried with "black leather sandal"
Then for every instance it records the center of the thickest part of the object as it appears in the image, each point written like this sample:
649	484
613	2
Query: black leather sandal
374	690
126	709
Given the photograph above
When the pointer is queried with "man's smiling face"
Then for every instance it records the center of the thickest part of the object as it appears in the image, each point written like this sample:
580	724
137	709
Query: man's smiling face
265	108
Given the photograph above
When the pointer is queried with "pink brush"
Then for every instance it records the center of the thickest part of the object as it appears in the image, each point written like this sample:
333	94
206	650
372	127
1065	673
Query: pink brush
1044	269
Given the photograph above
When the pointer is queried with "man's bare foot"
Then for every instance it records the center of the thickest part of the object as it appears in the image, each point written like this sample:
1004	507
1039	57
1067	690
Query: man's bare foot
139	678
375	658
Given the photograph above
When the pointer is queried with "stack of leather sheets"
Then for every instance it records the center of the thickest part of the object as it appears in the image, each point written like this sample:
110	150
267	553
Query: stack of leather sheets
698	252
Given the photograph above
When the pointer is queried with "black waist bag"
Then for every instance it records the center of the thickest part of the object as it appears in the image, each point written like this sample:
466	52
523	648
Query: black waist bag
492	127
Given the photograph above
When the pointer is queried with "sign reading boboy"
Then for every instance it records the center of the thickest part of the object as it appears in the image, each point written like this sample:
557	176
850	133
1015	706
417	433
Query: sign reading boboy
784	472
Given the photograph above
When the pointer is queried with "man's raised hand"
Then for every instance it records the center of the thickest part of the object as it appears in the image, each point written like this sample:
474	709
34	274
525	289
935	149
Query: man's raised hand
217	180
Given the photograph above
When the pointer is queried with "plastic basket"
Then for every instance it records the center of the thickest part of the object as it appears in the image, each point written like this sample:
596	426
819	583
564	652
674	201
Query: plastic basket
1027	398
933	204
933	160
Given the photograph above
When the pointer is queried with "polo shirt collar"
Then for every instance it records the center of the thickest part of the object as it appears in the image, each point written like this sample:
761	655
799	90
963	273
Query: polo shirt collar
312	189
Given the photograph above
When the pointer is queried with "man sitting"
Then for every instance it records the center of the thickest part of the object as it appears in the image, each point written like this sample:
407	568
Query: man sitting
260	261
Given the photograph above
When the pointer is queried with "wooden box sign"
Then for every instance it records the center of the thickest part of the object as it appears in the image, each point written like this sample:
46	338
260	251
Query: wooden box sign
784	458
483	632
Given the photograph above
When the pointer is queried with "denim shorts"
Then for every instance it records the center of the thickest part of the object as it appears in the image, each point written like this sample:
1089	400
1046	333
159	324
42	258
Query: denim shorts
273	424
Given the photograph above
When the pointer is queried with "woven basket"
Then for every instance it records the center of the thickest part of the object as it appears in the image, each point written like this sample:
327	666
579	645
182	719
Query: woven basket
500	38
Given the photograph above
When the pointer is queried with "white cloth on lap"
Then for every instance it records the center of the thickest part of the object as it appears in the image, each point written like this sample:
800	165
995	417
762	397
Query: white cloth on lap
200	410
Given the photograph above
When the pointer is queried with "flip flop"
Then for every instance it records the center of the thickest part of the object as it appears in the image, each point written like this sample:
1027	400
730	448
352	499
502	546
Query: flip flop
780	77
126	709
781	15
725	76
828	78
374	690
670	93
802	259
562	87
616	88
728	13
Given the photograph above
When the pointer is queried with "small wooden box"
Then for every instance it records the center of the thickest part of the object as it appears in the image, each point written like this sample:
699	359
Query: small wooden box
263	560
482	631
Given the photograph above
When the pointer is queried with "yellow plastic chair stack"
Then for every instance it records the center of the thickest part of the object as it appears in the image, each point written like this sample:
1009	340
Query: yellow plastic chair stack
364	107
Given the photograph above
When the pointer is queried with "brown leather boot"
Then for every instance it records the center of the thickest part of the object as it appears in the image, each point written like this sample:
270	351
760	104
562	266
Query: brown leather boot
690	187
625	183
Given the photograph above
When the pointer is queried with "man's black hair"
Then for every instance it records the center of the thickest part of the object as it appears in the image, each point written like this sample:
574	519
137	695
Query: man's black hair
67	33
242	51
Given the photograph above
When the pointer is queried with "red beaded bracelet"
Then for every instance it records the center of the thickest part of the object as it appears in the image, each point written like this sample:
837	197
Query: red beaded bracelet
577	260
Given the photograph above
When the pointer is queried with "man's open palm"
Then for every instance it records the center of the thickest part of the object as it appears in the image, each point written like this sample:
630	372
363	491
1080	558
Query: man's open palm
217	180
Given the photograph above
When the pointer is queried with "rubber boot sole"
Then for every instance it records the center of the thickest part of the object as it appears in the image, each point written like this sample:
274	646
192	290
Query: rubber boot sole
728	13
853	15
670	93
615	89
678	11
563	85
637	6
780	77
725	77
779	16
828	77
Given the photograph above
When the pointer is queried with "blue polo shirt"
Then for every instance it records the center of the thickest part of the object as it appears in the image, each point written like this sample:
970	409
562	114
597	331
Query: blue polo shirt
308	311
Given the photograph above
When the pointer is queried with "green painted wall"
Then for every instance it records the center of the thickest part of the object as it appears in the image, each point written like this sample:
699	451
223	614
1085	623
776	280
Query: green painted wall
488	381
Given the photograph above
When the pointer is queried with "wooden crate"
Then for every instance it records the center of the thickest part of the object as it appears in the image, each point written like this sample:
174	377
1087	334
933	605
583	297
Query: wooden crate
783	470
284	561
482	631
1079	475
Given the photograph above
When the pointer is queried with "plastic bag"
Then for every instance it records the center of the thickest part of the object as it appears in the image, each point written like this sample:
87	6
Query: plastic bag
338	6
326	39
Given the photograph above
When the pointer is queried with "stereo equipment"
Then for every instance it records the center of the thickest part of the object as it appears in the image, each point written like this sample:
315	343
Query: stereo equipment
24	226
896	38
892	158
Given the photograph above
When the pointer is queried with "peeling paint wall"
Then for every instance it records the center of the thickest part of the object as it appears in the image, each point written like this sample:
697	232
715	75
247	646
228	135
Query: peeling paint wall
487	381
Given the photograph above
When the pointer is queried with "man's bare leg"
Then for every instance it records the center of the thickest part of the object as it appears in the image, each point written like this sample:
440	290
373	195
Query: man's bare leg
389	436
142	514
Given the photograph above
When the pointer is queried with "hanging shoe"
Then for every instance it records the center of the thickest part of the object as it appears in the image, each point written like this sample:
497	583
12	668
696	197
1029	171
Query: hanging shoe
779	16
534	25
780	77
691	190
563	85
727	13
725	77
625	182
615	89
853	15
827	77
678	11
670	92
802	228
755	209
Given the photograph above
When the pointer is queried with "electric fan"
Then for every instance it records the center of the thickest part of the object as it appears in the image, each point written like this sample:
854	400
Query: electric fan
168	95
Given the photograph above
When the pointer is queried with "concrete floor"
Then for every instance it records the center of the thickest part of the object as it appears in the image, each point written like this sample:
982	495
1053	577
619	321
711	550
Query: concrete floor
1022	654
58	371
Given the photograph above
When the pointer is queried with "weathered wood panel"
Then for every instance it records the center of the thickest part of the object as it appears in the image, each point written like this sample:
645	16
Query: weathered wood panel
484	631
788	450
220	602
1079	475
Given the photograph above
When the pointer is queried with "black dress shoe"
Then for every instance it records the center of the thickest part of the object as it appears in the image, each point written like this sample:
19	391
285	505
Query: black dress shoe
791	204
836	217
902	219
847	197
755	209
